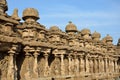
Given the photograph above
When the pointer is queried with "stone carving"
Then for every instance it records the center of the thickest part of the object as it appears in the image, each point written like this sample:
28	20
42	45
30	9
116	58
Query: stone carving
55	66
29	51
55	36
30	15
109	39
86	33
3	7
41	36
71	28
15	15
66	66
41	66
91	65
3	66
96	36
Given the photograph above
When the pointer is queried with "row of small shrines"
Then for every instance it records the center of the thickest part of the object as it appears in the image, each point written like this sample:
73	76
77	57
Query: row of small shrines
32	31
29	51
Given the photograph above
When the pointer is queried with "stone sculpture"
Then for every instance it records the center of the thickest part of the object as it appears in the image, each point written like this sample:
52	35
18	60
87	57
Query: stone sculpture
29	51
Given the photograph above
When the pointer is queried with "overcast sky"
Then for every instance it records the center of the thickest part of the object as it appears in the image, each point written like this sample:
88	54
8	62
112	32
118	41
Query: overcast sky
98	15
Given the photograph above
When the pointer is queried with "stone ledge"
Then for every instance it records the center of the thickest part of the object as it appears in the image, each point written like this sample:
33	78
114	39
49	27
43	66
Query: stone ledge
8	20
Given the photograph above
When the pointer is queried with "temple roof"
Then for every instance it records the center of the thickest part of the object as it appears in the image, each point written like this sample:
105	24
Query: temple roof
96	35
71	27
85	31
30	12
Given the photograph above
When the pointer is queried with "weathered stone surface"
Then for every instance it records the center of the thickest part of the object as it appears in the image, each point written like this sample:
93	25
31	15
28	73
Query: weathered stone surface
29	51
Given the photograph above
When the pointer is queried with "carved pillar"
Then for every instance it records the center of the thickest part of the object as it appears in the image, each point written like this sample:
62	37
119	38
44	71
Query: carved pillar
28	71
62	64
106	65
73	65
82	65
109	65
57	67
116	66
112	65
87	64
95	65
46	70
69	59
56	64
76	64
102	65
12	68
99	65
91	65
35	67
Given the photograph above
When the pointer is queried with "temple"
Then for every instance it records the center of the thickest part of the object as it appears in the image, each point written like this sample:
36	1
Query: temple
29	51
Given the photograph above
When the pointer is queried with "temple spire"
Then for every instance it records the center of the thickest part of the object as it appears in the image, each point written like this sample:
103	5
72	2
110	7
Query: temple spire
15	15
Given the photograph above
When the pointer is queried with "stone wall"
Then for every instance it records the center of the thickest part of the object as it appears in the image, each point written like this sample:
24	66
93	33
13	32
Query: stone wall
29	51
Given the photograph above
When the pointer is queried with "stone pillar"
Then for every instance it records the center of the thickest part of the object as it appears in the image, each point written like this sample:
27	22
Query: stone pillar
82	65
62	64
35	67
106	65
76	67
86	64
102	65
112	63
46	70
116	66
109	65
82	68
95	65
46	55
73	65
91	65
28	71
12	68
99	65
76	64
57	67
70	62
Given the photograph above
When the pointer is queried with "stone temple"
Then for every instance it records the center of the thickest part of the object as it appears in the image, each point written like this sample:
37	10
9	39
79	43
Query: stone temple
29	51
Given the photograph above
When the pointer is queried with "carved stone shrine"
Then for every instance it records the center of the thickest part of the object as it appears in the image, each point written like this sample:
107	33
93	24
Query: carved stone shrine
29	51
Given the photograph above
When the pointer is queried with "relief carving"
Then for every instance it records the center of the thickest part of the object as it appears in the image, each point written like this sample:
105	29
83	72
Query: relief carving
29	51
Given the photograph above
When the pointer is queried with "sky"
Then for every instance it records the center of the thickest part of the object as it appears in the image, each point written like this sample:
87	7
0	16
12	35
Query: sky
102	16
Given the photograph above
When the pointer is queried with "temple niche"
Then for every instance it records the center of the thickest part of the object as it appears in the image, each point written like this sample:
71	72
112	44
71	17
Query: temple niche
29	51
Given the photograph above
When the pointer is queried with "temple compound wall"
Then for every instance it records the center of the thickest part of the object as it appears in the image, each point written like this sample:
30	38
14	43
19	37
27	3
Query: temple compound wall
29	51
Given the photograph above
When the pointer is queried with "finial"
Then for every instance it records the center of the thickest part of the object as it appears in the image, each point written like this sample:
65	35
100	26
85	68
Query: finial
70	22
108	35
15	15
30	13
